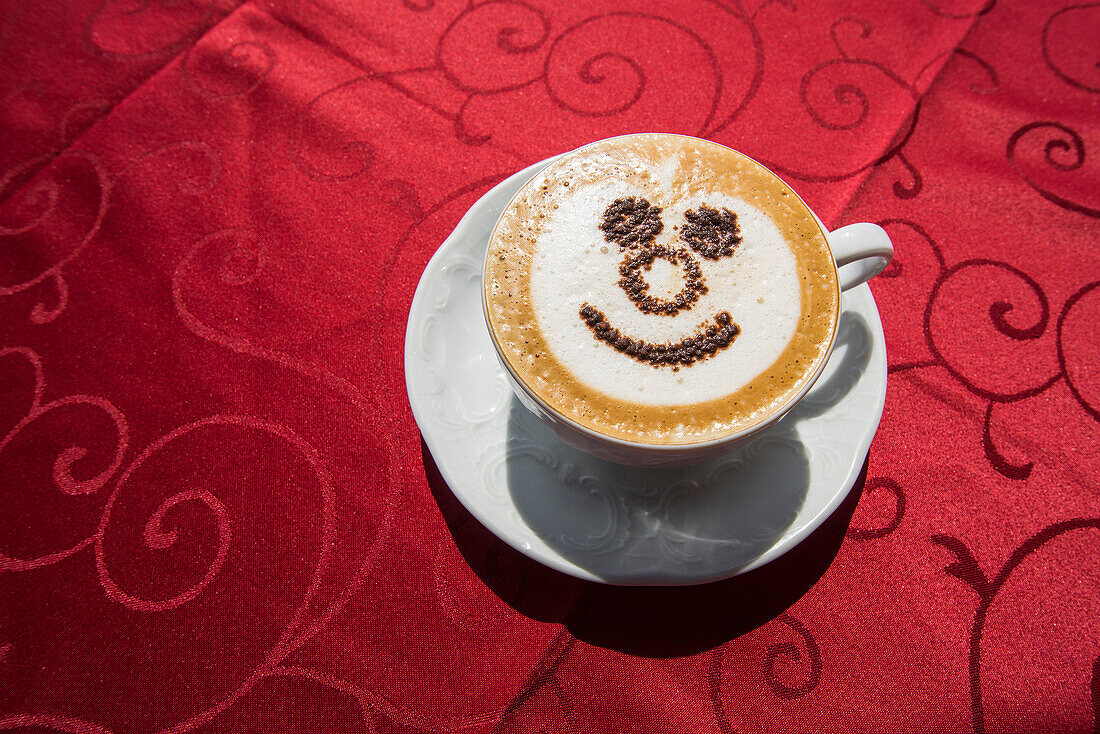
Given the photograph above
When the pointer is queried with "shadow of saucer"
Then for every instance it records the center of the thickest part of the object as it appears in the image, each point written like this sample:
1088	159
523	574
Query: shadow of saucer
645	621
633	527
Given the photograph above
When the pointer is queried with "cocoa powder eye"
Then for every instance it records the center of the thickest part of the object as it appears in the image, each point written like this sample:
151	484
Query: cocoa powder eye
631	222
712	233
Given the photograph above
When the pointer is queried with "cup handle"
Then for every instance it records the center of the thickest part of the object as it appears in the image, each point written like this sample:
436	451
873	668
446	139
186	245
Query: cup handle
861	252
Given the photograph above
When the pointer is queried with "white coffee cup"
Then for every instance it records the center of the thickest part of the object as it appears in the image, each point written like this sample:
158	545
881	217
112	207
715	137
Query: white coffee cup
860	251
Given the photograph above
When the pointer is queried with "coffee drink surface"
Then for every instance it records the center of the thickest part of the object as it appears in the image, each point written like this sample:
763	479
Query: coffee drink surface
661	289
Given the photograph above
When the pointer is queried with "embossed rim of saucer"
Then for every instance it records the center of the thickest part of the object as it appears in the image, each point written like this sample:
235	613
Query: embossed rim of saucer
466	240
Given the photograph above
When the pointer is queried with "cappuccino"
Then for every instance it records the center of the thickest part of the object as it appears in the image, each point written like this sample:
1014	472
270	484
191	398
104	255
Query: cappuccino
661	289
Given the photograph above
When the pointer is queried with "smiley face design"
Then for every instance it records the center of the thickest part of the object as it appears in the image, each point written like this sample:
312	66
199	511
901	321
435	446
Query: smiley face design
633	224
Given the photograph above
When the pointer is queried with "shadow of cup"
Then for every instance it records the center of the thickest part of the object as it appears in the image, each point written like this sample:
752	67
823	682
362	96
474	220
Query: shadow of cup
636	526
682	525
848	361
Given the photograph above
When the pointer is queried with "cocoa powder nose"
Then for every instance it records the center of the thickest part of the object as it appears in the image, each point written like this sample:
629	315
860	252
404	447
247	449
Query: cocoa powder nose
637	263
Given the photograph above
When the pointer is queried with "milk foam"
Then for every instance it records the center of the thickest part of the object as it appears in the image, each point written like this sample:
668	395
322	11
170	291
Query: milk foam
572	264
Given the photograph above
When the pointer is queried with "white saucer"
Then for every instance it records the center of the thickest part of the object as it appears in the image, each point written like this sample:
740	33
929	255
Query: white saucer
601	521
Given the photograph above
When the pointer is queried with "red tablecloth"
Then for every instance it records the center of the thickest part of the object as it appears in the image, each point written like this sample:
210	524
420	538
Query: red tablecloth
216	513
